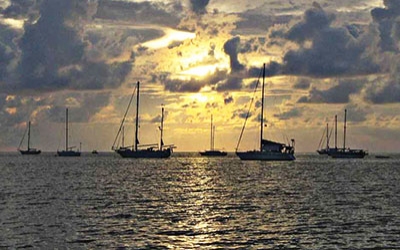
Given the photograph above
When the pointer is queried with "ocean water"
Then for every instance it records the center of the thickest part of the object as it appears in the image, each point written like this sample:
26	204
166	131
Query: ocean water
188	202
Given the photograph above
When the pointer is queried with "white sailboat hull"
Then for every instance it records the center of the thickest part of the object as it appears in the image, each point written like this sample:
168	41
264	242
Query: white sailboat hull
265	156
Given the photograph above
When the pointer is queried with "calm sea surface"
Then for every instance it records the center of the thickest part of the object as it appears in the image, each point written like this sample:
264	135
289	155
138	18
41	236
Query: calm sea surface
188	202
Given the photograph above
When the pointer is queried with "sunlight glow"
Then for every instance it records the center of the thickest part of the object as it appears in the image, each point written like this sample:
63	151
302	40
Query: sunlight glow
199	71
13	23
171	35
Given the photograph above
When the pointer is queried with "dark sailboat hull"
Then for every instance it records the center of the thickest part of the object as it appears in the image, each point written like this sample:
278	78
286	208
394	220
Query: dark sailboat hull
151	154
69	153
265	156
341	153
348	154
213	153
30	152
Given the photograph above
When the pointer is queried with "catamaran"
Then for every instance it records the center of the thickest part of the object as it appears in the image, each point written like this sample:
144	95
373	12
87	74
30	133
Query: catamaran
269	150
69	151
213	151
137	150
29	150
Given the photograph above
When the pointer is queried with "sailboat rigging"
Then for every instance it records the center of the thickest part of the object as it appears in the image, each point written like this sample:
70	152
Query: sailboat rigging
269	150
212	151
346	152
137	150
68	150
29	150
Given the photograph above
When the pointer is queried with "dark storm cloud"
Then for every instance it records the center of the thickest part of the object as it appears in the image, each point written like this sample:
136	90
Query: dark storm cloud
19	8
383	91
7	50
231	48
199	6
324	51
53	51
314	20
386	19
337	94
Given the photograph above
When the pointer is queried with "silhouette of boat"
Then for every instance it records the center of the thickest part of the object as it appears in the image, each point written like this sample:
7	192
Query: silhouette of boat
29	150
213	151
269	150
142	151
347	152
68	152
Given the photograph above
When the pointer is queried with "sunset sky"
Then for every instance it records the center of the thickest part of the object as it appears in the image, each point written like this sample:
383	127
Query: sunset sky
199	58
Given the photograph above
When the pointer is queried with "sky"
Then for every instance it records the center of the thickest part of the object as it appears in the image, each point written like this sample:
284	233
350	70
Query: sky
199	58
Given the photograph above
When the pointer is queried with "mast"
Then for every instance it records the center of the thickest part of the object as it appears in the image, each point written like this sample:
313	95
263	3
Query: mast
162	128
137	117
211	134
335	131
66	130
262	110
344	129
29	134
213	147
327	136
123	136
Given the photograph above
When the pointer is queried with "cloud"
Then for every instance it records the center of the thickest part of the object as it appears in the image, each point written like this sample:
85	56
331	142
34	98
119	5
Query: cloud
228	98
314	21
293	113
386	19
82	106
324	50
383	91
356	113
146	12
231	48
53	51
339	93
199	6
194	85
302	84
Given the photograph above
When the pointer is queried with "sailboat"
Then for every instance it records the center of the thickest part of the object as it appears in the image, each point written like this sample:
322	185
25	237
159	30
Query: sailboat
68	150
143	151
347	152
212	151
29	150
269	150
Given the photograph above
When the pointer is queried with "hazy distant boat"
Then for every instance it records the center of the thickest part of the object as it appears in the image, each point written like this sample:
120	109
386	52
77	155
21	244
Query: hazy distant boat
382	156
68	150
213	151
150	150
347	152
29	150
269	150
